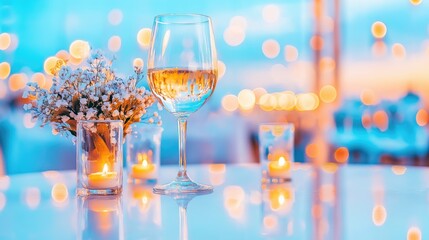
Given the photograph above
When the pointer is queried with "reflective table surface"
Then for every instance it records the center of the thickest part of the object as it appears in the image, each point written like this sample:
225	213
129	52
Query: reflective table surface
328	202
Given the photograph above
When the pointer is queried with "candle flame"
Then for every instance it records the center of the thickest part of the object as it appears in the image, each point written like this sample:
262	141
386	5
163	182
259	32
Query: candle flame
144	163
105	169
144	200
281	199
282	161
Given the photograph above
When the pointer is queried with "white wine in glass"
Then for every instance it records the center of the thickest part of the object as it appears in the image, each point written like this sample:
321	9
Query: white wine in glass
182	74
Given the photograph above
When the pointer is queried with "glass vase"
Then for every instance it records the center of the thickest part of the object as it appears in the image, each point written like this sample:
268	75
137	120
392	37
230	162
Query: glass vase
99	159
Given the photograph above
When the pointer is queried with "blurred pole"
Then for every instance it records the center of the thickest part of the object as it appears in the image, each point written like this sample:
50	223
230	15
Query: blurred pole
317	43
337	49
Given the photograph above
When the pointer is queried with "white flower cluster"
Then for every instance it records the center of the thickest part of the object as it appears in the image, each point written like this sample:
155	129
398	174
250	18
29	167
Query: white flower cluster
92	92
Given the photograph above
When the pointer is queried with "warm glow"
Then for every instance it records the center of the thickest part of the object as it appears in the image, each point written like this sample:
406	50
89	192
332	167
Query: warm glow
138	63
48	83
414	233
286	100
28	121
17	81
368	97
115	43
271	13
4	70
271	48
307	102
79	49
59	193
378	29
366	120
143	37
279	196
312	150
105	169
330	167
115	17
416	2
341	155
282	161
316	43
144	163
5	41
328	94
398	51
270	221
221	69
381	120
290	53
267	102
217	168
422	117
258	93
246	99
379	48
233	200
379	215
217	174
234	35
399	170
52	65
230	103
75	61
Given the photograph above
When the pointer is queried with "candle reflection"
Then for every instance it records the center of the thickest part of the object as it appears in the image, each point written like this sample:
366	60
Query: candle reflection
144	204
100	217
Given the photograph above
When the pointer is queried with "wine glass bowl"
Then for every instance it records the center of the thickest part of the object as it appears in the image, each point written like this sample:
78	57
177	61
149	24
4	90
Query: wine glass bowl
182	74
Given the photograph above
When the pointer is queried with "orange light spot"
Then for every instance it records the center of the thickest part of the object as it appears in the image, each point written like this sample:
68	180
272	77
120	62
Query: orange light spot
381	120
366	120
271	48
63	54
290	53
399	170
368	97
221	69
5	41
143	37
398	51
327	64
17	82
115	43
258	93
4	70
79	49
379	215
138	62
217	168
246	99
316	43
59	193
422	117
230	103
330	167
414	233
341	155
307	102
268	102
328	94
39	78
317	211
270	221
52	65
416	2
312	150
378	29
379	49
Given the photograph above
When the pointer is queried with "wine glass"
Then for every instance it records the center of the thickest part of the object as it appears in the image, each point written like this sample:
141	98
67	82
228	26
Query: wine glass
182	74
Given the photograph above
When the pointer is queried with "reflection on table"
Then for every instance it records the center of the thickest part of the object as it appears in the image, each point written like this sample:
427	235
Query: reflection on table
328	202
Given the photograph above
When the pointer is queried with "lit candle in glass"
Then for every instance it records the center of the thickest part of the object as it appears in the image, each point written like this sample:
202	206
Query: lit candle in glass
144	169
104	179
280	168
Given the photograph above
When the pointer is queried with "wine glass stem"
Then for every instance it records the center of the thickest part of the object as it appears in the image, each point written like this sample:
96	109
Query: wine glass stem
182	123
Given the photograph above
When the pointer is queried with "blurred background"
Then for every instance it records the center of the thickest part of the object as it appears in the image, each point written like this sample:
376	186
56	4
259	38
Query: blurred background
351	75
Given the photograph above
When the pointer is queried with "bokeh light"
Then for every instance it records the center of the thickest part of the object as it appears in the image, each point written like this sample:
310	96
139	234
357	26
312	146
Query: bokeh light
328	94
230	103
114	44
379	49
234	35
28	121
13	43
17	81
59	193
32	197
379	215
398	51
341	155
258	93
422	117
316	43
115	17
290	53
5	41
416	2
368	97
79	49
238	21
271	13
307	102
270	221
4	70
327	64
138	62
143	37
63	54
399	170
221	69
246	99
52	65
381	120
267	102
378	29
39	78
271	48
414	233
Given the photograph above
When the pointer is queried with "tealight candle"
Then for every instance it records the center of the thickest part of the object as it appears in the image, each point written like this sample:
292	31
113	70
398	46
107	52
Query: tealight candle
103	180
144	169
279	169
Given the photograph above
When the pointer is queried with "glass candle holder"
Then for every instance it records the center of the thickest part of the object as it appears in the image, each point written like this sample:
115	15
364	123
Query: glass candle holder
143	152
276	152
99	158
100	217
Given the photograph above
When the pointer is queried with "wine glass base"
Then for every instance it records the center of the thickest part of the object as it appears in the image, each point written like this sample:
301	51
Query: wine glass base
182	187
